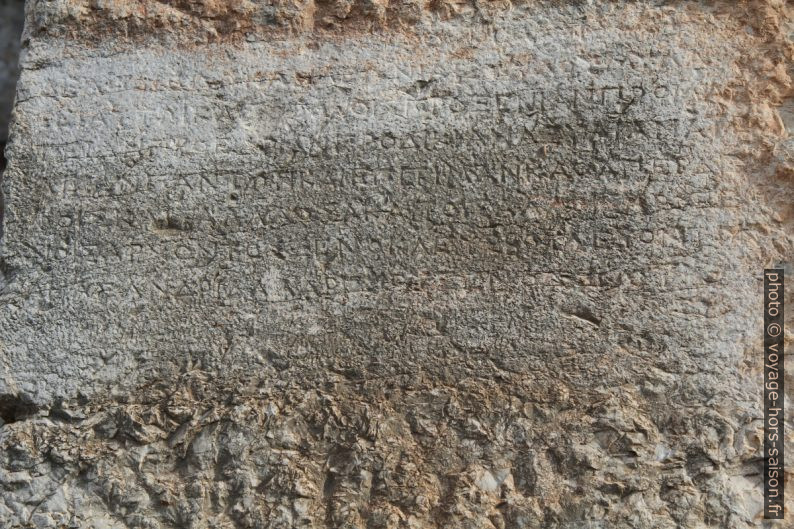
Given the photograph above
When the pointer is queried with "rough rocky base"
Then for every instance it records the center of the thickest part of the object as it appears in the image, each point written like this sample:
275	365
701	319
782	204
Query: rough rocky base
392	265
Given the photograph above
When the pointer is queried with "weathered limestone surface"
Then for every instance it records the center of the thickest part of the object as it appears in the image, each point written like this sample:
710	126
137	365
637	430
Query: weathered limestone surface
391	265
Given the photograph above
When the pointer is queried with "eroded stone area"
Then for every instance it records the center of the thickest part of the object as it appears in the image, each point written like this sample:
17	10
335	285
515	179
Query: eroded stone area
500	272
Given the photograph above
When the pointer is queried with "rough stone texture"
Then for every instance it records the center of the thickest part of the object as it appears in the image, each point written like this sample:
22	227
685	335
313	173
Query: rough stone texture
11	17
392	265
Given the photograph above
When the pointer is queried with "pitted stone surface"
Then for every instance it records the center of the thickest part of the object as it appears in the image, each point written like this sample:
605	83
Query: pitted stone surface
499	269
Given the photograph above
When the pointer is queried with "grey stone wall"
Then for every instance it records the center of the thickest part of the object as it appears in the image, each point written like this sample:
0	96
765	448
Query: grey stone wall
391	265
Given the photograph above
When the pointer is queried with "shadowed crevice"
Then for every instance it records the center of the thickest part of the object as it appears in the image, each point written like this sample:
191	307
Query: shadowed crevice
15	408
12	16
